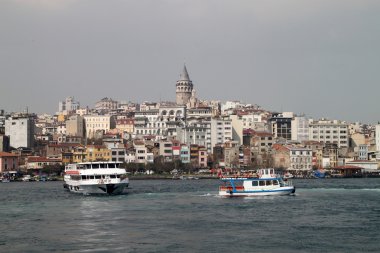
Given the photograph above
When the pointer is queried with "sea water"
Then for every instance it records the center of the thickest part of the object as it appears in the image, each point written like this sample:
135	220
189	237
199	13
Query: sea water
325	215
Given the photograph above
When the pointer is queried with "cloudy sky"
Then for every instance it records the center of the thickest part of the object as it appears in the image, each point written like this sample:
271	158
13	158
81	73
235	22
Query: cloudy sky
320	58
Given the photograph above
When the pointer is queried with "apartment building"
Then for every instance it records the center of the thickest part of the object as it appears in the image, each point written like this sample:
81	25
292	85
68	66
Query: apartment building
335	132
98	125
20	129
281	125
300	129
221	131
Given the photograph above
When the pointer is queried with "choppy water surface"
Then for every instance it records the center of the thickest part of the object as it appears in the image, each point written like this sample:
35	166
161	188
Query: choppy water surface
331	215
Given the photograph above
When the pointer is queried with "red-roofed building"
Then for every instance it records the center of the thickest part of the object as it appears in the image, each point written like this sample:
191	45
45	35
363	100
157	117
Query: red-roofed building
8	162
38	162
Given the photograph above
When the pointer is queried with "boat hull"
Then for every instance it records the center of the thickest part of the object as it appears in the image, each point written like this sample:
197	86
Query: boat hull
273	192
90	189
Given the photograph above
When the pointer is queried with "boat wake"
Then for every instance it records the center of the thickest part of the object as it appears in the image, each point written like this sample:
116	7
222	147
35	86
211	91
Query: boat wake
341	189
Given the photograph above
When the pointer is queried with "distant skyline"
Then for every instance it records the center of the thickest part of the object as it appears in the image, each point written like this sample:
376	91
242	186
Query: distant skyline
318	57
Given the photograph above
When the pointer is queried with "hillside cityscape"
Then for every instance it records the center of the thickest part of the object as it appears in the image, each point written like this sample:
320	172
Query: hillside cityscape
186	136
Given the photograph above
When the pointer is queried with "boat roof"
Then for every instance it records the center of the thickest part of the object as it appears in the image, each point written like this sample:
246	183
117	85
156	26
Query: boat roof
99	162
246	178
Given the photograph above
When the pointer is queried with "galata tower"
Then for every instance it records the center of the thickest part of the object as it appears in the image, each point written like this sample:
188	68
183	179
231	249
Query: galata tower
184	88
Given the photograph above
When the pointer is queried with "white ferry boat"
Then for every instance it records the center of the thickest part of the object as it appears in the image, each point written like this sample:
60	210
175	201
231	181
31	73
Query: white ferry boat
266	182
95	178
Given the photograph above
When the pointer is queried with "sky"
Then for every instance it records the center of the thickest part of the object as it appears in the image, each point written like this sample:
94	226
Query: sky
317	57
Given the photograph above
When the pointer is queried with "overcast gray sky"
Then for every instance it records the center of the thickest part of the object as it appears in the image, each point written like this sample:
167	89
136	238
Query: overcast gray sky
320	57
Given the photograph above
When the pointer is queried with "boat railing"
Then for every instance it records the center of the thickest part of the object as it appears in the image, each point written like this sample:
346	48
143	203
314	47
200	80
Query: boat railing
287	182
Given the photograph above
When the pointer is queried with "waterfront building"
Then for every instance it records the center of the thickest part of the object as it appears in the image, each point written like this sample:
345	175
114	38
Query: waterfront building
330	155
140	151
166	150
8	162
297	159
301	159
366	165
20	129
185	154
327	131
184	88
37	163
202	157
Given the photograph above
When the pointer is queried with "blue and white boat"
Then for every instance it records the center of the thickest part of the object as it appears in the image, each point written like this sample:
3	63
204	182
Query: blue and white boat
265	183
319	174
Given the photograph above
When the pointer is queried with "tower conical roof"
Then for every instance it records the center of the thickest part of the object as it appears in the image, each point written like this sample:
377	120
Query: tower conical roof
184	75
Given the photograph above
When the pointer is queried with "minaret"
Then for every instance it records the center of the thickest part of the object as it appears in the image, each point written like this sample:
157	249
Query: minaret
184	88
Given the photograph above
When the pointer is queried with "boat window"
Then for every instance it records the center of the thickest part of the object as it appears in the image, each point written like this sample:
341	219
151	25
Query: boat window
88	166
83	177
255	183
95	166
98	177
75	177
113	176
91	177
269	182
102	165
111	165
275	182
117	176
262	183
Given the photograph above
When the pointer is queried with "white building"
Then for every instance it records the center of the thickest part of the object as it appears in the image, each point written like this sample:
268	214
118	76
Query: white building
161	122
228	106
237	128
329	132
196	132
221	131
300	129
67	106
20	130
98	124
106	104
300	159
377	137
